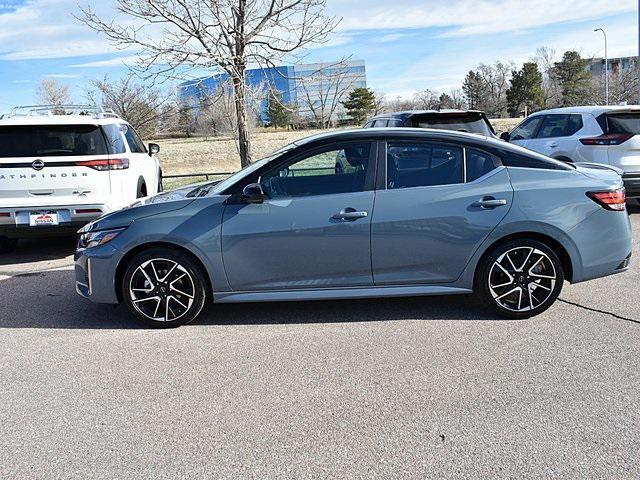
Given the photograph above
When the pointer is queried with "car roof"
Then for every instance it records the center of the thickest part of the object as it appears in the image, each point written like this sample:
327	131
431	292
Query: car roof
59	120
594	110
410	113
399	132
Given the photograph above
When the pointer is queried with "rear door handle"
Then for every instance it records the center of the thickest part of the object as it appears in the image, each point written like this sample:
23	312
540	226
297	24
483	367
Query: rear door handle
349	214
489	202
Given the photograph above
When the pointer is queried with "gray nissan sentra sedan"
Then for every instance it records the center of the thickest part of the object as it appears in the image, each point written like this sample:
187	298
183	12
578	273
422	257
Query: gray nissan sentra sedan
408	212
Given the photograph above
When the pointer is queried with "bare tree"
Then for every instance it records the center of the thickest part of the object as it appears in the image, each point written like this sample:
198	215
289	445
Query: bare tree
141	105
380	103
546	58
52	92
426	99
321	92
176	36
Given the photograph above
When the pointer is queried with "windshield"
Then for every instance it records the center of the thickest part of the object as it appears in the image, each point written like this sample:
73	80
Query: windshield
624	122
471	123
227	182
51	140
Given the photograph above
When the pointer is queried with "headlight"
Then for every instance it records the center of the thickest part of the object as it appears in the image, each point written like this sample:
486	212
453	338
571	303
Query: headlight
93	239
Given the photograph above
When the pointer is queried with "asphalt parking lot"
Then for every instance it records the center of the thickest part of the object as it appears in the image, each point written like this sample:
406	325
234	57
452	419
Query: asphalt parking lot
412	387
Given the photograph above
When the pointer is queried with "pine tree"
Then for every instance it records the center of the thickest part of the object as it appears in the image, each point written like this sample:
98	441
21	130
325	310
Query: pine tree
360	103
525	90
279	114
573	78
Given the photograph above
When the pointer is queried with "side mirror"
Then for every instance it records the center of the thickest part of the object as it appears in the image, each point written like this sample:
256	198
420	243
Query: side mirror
154	148
253	193
506	136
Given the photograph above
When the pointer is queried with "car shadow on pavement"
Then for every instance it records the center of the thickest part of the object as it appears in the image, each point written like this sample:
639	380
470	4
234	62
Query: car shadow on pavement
48	300
39	249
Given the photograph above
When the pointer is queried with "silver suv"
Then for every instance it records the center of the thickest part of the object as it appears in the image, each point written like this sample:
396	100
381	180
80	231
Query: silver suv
607	135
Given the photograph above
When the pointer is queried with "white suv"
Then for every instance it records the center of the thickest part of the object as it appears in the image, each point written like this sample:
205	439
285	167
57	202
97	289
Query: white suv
63	166
607	135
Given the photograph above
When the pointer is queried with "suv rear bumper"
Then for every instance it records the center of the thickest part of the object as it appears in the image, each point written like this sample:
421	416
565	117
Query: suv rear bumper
632	184
14	221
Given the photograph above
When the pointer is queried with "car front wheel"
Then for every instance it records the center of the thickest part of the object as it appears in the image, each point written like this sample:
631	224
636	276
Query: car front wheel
164	288
520	278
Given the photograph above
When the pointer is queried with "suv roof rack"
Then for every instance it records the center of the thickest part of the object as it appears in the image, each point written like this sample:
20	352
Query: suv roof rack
52	110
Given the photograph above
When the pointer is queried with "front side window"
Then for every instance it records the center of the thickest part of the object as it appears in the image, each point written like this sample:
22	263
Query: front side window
331	171
51	141
423	164
527	129
555	126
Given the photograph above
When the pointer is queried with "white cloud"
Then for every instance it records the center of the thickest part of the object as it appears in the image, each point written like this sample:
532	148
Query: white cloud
60	75
111	62
47	29
471	17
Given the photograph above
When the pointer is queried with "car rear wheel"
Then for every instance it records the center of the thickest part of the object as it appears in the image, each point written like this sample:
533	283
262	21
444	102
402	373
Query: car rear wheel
8	245
520	278
164	288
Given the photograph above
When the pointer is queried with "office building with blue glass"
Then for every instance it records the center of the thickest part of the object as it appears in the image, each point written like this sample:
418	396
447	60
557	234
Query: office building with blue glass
304	86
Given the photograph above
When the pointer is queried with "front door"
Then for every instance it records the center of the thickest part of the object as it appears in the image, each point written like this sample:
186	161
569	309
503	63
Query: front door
435	211
312	231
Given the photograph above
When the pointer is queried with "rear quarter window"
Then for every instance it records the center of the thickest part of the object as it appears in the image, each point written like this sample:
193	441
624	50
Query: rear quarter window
512	158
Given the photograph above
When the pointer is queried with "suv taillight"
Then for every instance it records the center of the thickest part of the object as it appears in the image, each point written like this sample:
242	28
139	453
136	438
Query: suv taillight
611	200
607	139
110	164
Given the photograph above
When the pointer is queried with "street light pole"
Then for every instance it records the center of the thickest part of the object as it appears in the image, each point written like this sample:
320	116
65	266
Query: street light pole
606	67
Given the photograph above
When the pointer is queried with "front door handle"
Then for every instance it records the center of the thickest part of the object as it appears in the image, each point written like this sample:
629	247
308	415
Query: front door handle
349	214
553	144
489	202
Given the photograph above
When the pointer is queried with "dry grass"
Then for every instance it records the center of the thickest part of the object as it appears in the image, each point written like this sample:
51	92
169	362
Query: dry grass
219	154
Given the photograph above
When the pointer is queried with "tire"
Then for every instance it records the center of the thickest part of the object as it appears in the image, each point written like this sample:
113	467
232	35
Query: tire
8	245
516	266
164	288
141	191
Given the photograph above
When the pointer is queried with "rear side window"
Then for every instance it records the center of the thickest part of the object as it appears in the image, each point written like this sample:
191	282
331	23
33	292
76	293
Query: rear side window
560	126
479	163
135	144
422	165
51	141
380	123
394	123
460	122
624	123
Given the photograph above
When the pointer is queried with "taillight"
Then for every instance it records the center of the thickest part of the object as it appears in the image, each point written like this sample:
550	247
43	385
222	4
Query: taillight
110	164
611	200
607	139
5	214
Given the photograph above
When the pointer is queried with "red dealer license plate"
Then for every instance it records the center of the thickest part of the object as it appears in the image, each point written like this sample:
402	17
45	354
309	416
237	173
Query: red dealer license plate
43	218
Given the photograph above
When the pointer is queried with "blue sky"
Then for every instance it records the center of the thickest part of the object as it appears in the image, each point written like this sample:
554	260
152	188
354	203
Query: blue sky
408	45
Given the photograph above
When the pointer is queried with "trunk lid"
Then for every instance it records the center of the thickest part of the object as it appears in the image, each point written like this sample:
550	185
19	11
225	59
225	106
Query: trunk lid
46	165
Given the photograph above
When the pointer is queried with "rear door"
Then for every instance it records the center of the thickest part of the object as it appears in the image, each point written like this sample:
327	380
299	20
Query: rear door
554	137
49	165
434	210
313	230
